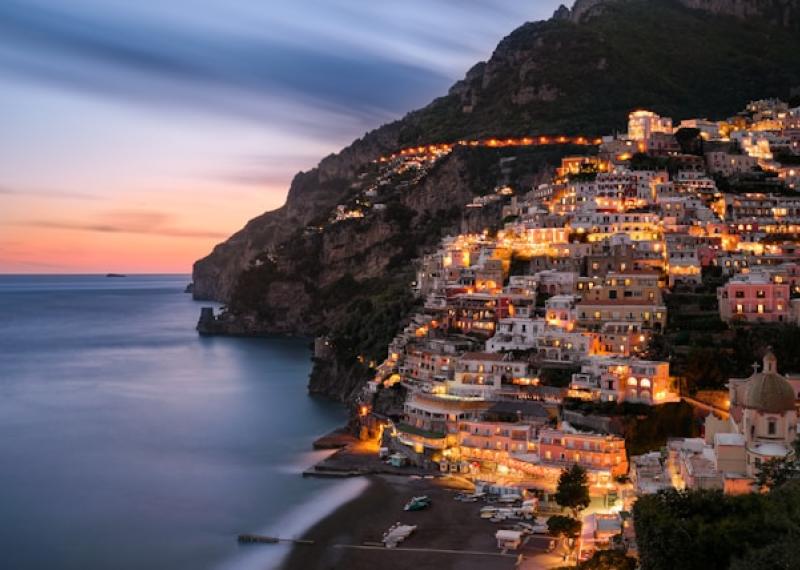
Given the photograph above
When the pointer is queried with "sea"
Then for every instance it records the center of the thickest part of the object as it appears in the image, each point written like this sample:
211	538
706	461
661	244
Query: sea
127	441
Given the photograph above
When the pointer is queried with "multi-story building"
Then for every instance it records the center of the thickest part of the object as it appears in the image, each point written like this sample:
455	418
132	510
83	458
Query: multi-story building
515	333
755	297
642	124
554	282
593	314
482	373
432	417
555	345
624	380
603	456
432	360
600	225
727	164
560	312
620	339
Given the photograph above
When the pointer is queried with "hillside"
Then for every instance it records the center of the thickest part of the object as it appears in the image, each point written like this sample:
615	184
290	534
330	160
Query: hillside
296	271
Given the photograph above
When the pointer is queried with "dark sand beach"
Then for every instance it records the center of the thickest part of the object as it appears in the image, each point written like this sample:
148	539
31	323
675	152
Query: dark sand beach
341	541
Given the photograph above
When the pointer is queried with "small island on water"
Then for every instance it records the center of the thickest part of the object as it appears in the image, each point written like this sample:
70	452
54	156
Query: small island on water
549	320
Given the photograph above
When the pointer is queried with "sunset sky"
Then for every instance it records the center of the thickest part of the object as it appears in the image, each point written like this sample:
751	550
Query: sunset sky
136	135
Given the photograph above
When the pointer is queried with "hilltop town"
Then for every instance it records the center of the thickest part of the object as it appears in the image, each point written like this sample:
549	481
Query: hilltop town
572	335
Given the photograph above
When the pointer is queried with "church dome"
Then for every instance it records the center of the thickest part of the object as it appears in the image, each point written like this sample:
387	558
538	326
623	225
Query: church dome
768	391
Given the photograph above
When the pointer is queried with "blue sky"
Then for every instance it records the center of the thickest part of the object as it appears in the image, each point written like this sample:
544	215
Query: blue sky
135	135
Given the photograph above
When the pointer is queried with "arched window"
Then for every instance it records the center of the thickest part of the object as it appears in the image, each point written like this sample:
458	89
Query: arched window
772	427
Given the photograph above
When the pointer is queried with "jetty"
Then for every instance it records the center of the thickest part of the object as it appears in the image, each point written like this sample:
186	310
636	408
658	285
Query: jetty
262	539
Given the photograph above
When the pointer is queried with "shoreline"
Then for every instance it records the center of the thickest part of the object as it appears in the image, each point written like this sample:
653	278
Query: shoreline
450	534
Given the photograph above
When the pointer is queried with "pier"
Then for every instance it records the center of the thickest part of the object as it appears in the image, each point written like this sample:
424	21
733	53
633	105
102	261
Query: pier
261	539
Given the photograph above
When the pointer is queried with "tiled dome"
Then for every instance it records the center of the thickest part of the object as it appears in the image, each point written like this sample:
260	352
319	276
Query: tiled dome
768	391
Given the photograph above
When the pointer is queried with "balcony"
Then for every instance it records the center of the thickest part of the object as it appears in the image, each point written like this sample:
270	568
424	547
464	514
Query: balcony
412	430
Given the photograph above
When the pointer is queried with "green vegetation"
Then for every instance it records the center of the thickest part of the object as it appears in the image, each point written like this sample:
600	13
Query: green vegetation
558	377
690	141
706	354
779	471
573	490
645	428
706	530
606	560
650	431
639	53
371	313
564	527
249	294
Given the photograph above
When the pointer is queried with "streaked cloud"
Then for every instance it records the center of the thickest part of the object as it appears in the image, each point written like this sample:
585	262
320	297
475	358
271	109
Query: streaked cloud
129	222
186	118
335	59
48	193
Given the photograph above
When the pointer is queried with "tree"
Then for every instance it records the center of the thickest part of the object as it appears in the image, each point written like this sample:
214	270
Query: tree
573	490
566	528
690	141
778	471
708	530
608	560
778	556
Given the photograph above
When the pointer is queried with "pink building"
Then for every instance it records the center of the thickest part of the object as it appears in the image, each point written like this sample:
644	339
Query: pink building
601	454
755	297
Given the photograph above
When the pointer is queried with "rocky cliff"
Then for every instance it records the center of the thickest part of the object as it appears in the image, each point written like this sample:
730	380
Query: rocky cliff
782	13
296	270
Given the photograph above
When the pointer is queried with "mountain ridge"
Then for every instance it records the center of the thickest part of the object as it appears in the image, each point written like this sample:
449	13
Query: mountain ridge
579	72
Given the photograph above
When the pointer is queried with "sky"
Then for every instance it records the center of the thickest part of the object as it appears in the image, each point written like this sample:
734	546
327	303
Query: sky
135	135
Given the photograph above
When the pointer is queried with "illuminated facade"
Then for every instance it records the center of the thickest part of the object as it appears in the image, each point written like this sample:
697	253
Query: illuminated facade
624	380
642	124
755	297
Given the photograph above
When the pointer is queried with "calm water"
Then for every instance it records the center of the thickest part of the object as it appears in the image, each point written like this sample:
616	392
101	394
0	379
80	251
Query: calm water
127	441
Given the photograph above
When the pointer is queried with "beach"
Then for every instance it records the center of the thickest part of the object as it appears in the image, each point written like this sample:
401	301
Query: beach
346	538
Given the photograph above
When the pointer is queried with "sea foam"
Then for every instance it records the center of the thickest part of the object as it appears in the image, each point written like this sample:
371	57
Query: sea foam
294	524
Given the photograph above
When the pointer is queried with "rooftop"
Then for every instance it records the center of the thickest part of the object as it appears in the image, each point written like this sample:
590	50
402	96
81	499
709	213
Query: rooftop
490	356
526	409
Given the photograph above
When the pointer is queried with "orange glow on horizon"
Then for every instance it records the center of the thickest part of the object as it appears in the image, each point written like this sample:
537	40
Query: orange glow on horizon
45	235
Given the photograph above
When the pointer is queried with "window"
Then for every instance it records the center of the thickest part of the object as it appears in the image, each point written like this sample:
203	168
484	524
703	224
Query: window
771	427
739	294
